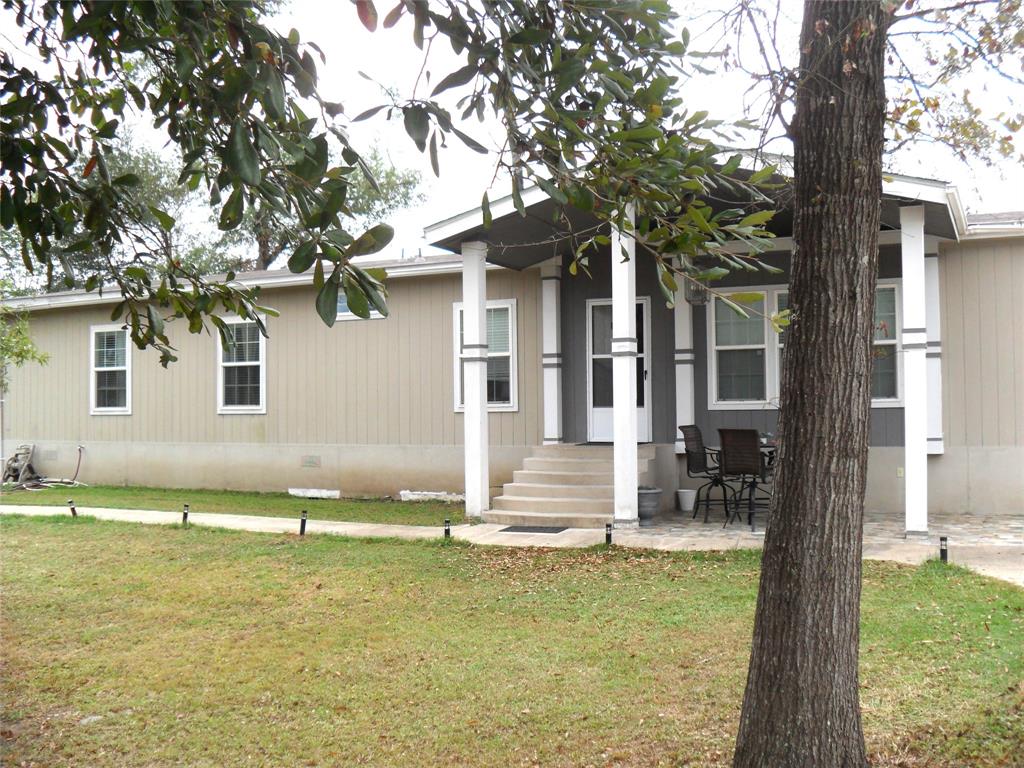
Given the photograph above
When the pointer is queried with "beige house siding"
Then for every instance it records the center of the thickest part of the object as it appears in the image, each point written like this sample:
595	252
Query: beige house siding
347	395
981	288
980	470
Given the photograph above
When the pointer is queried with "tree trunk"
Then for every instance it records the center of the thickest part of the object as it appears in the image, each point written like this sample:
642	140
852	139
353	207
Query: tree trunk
801	708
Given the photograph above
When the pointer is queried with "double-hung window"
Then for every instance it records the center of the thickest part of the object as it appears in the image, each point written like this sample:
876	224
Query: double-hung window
502	384
740	352
241	369
111	371
745	353
885	362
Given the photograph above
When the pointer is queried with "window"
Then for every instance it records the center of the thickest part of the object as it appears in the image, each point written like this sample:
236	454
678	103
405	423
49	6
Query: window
344	313
745	358
502	385
739	351
241	384
884	374
111	371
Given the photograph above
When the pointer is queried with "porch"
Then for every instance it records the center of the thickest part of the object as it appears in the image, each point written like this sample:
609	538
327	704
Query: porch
622	368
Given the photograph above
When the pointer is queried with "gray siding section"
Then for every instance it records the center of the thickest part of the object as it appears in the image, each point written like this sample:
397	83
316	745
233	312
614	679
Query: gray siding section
575	292
886	423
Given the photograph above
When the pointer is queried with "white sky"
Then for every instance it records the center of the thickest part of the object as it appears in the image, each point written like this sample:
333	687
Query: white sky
391	58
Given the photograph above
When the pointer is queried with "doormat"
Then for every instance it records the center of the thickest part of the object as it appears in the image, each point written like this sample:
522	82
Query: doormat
531	529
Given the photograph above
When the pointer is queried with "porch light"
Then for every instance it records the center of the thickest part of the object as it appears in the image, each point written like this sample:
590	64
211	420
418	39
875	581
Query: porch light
696	293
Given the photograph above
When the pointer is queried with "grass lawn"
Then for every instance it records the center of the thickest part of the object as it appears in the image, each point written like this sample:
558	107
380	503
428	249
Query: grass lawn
245	503
128	645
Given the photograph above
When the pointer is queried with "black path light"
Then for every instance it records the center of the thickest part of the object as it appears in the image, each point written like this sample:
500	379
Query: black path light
184	516
944	549
71	506
447	528
302	523
608	533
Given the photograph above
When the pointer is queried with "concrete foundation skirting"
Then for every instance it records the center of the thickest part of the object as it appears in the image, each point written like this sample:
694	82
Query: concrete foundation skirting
379	470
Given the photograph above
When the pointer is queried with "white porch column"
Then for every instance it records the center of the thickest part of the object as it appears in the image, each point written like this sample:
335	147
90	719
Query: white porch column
474	371
624	345
933	354
915	376
685	413
551	348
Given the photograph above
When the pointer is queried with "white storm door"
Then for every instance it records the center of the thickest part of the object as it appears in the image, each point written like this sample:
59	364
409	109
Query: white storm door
600	427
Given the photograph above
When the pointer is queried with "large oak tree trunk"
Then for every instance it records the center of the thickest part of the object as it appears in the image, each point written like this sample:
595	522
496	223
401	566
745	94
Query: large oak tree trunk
801	708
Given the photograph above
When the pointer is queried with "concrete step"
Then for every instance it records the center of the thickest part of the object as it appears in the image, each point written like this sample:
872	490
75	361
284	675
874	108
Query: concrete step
587	451
549	490
543	477
548	464
570	505
548	519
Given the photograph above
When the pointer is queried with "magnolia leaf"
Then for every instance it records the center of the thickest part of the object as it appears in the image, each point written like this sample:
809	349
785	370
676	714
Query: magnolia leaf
417	125
485	206
327	303
756	219
372	240
303	257
368	15
242	158
456	78
231	213
166	220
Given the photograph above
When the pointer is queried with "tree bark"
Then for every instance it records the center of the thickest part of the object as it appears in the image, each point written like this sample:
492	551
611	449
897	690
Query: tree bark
801	708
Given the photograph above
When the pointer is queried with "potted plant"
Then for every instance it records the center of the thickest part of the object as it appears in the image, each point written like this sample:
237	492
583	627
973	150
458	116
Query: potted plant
649	501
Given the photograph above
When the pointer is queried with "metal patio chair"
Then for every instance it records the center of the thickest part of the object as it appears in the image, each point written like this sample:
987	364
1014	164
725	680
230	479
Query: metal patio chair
742	461
702	464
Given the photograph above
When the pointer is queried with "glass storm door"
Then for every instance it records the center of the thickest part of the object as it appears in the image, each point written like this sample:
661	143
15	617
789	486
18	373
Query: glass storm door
600	423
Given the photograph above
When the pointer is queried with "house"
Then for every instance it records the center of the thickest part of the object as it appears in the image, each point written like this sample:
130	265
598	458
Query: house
495	363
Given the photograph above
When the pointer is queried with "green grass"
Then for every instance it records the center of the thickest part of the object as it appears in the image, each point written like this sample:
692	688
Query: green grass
245	503
126	645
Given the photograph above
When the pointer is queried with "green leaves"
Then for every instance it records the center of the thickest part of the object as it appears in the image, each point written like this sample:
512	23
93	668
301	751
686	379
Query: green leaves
530	36
231	213
756	219
303	257
456	78
242	158
373	240
327	302
417	125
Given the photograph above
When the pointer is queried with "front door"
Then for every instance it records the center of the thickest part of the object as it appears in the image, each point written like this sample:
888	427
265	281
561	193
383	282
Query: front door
600	424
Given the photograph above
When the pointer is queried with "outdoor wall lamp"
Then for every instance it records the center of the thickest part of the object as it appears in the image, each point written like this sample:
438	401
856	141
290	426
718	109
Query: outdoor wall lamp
696	293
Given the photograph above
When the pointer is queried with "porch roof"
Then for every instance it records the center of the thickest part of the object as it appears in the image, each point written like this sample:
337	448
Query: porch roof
518	242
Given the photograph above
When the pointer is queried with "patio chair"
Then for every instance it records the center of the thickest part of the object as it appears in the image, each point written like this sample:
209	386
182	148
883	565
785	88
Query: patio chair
742	461
702	464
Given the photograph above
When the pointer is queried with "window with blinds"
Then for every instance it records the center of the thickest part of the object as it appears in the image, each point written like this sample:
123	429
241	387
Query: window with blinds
242	369
501	362
111	371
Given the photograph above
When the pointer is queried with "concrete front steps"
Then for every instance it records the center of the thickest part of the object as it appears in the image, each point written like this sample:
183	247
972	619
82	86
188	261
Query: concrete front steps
567	486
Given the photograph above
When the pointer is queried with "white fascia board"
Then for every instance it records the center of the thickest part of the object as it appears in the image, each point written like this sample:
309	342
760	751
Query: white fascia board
474	217
81	298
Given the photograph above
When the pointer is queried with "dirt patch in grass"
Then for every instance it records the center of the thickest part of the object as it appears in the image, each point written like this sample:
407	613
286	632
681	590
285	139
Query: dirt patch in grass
135	646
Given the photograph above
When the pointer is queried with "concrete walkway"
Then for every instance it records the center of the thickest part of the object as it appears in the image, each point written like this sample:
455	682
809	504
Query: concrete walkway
1002	558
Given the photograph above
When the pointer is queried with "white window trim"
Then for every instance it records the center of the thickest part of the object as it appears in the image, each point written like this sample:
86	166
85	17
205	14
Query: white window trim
93	409
513	354
773	349
893	402
227	410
